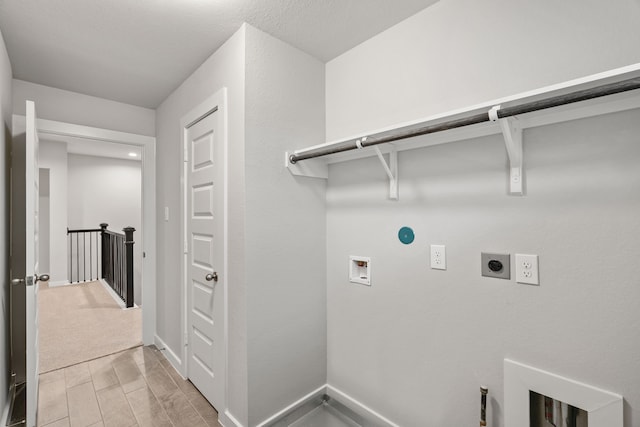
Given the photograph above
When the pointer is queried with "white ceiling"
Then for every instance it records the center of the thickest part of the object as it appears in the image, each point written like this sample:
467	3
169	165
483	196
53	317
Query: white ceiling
139	51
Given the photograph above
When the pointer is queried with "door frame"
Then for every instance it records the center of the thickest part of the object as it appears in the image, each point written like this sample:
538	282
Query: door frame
214	103
148	240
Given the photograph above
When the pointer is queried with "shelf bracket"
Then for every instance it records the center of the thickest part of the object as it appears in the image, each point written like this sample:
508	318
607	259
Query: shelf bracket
312	168
512	133
391	169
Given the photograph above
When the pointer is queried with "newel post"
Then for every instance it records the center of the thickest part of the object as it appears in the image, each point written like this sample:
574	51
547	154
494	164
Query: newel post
105	249
128	243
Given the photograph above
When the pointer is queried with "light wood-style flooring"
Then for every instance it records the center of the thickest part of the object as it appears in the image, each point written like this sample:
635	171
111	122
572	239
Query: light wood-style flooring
136	387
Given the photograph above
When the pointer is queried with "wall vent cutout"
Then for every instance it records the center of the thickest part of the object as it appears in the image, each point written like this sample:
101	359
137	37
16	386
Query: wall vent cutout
360	270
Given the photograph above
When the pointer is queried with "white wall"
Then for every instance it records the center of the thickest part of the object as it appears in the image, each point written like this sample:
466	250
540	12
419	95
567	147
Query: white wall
417	345
77	108
225	68
276	279
106	190
5	145
458	53
285	227
53	156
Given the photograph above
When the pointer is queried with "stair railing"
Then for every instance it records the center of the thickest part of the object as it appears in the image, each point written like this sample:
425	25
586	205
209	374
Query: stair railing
101	253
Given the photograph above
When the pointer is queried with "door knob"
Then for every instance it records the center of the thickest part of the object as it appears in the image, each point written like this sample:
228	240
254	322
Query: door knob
36	278
210	277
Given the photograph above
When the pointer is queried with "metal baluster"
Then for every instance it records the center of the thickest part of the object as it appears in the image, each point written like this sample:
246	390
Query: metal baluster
84	256
71	258
121	267
128	270
113	267
90	256
77	260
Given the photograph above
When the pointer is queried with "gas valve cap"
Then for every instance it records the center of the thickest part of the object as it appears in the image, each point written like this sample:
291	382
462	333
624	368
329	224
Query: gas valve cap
495	265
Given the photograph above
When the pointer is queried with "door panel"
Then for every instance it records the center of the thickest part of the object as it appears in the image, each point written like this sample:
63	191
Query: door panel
24	269
203	201
204	223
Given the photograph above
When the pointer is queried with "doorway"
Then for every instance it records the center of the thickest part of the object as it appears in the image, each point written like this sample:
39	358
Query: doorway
55	130
81	309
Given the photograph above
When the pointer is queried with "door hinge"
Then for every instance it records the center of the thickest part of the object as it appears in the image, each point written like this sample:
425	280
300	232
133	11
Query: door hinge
186	339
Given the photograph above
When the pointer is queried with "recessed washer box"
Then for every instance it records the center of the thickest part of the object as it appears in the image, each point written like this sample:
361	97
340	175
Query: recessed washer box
360	270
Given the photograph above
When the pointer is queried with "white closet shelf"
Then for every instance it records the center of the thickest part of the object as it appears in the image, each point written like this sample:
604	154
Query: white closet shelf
511	127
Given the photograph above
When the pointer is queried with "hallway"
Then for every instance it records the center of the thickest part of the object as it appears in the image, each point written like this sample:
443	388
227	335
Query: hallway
83	322
136	387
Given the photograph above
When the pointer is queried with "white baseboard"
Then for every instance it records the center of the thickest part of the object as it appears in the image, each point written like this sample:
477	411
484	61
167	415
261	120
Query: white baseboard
56	283
357	406
108	288
227	420
115	296
175	361
300	401
340	397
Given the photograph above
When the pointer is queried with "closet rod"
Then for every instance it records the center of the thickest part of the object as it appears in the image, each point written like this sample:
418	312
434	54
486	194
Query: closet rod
528	107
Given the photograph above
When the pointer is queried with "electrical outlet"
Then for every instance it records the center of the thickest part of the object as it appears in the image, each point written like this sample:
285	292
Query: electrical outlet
438	257
527	269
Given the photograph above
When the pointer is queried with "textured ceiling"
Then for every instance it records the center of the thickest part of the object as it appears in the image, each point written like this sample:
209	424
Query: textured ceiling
139	51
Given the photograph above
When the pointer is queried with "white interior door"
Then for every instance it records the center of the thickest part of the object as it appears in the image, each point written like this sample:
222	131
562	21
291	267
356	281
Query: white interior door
31	263
24	255
204	249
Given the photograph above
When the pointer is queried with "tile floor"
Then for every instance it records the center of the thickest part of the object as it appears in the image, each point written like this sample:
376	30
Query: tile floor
136	387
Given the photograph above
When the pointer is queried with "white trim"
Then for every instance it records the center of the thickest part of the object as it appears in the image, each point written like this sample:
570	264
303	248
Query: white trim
293	405
357	406
604	409
110	291
227	420
148	238
168	354
114	295
98	134
217	101
57	283
341	397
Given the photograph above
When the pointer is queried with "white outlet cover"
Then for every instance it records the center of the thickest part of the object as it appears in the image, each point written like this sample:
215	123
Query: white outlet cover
438	257
527	269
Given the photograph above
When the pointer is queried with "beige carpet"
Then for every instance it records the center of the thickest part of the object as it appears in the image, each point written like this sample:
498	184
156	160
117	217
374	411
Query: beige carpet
82	322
